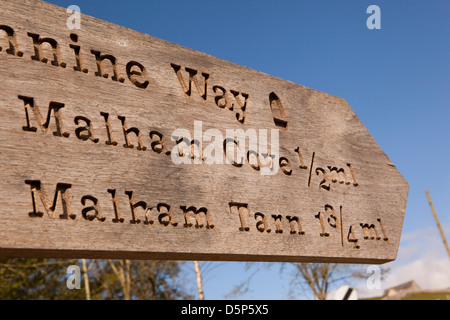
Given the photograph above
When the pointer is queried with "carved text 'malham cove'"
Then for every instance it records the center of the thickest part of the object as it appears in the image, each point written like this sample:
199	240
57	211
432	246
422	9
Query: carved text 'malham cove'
324	177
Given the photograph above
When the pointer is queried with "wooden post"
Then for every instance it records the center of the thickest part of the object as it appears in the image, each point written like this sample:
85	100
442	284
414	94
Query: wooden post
201	295
438	223
86	279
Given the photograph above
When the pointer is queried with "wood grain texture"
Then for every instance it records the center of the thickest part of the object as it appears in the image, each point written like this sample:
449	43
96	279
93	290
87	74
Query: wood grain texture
86	125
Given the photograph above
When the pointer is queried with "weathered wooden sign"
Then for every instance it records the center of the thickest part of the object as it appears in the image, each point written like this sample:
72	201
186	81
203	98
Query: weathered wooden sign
115	144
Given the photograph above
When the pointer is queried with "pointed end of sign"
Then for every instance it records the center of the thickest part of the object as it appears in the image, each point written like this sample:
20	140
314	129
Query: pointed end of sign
391	164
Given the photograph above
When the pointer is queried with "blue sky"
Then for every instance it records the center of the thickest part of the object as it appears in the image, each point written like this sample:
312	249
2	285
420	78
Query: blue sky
397	80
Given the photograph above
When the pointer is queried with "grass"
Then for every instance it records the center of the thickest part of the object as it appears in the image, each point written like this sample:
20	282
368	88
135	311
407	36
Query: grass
421	296
428	296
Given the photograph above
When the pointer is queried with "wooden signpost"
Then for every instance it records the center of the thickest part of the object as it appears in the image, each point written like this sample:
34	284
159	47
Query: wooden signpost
115	144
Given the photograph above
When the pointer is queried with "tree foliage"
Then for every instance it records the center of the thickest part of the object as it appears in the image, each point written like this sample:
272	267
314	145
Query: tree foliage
320	278
43	279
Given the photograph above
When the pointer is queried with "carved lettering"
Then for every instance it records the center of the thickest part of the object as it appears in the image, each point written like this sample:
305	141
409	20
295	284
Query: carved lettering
12	41
311	168
141	212
338	175
118	216
38	191
385	238
234	147
134	130
166	218
232	99
109	132
352	238
136	71
31	107
193	82
253	160
138	209
100	59
324	232
371	232
300	157
262	225
198	213
237	138
242	210
77	51
293	222
196	151
96	208
278	111
330	217
38	50
221	99
86	132
285	164
134	205
355	183
48	49
183	146
322	184
237	161
159	146
278	219
213	152
241	108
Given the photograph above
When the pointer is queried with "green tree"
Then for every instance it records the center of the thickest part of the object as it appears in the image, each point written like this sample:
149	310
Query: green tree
35	279
43	279
144	280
